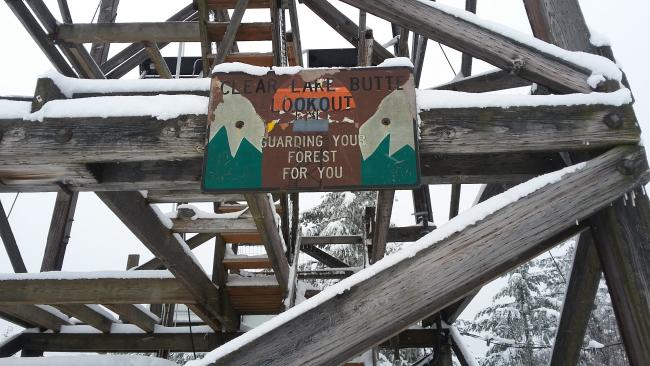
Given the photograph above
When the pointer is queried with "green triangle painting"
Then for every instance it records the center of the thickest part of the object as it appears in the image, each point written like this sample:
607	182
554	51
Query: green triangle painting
224	171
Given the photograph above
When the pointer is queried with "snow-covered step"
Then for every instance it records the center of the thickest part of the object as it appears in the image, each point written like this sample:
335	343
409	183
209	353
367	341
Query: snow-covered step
257	295
236	262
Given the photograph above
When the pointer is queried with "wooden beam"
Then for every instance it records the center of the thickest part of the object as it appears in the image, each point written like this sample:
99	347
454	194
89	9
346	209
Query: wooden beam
36	315
107	14
382	222
520	129
59	233
474	39
323	240
9	241
579	297
176	196
220	226
407	291
154	290
65	11
161	32
345	27
11	345
143	221
622	236
159	62
206	44
231	31
136	315
295	32
485	82
89	315
323	257
263	211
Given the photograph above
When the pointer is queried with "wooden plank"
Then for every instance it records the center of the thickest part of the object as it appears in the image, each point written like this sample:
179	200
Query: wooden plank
35	315
206	45
220	226
345	27
88	315
107	14
161	32
521	129
180	341
143	221
578	303
138	316
9	241
241	262
264	216
472	38
232	30
296	41
159	62
323	257
59	233
95	291
622	237
264	59
407	291
408	233
65	11
11	345
323	240
485	82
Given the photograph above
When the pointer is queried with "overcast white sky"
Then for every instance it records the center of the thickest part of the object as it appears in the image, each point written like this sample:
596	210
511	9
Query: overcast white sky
99	241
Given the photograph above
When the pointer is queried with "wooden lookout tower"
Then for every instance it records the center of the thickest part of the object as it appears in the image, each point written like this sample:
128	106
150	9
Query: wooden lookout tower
562	162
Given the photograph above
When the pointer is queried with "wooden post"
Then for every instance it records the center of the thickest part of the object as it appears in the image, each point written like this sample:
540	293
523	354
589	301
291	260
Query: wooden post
154	54
60	227
107	14
8	239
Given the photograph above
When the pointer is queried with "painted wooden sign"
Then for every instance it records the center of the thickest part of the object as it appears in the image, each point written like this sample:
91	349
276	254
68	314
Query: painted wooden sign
317	129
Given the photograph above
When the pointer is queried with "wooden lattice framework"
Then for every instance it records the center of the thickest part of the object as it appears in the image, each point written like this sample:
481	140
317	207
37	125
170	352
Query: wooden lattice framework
458	146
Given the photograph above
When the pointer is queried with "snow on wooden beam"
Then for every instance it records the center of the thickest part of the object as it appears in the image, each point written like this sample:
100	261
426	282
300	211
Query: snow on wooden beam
485	82
402	287
506	49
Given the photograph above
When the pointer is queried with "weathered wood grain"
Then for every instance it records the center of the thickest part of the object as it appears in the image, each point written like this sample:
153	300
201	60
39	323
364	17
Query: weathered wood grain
232	30
9	241
323	257
220	226
140	317
35	315
59	233
88	315
157	32
337	329
481	43
523	129
95	291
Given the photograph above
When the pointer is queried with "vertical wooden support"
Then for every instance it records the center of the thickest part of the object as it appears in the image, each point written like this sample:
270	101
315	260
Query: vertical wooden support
385	200
65	11
455	200
295	30
9	241
59	234
578	302
622	237
295	220
284	204
276	36
107	14
206	45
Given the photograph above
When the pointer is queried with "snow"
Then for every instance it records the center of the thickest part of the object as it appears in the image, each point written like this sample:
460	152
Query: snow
348	197
54	311
202	329
13	109
397	62
162	217
469	217
104	312
200	214
145	310
432	99
70	86
595	345
87	360
598	39
228	67
78	329
597	64
126	329
63	275
162	107
241	281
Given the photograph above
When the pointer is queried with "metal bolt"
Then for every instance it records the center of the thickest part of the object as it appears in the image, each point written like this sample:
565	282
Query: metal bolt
385	121
239	124
627	166
517	65
613	120
63	135
39	98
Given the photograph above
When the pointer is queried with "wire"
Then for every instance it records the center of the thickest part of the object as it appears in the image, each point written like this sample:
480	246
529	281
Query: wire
12	205
557	266
447	58
99	3
189	321
532	345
